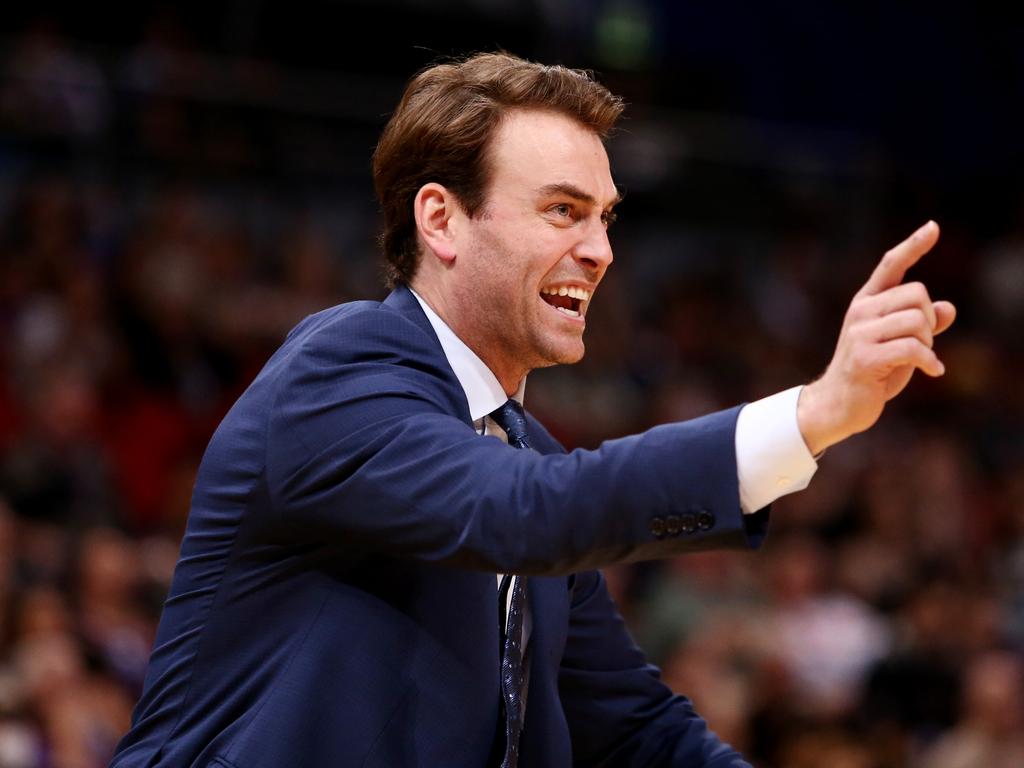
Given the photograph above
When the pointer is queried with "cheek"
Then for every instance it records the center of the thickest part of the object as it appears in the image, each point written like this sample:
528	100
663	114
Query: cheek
519	259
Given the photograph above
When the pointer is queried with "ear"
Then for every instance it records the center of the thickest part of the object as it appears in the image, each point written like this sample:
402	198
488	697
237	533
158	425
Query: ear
437	211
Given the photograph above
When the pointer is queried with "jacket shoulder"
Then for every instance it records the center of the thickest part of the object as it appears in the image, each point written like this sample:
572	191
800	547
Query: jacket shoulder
363	348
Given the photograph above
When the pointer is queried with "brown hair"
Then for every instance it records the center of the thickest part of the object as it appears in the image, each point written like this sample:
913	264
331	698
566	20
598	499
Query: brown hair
443	126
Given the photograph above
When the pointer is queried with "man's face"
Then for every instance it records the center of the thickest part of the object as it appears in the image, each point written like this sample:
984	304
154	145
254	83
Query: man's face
528	262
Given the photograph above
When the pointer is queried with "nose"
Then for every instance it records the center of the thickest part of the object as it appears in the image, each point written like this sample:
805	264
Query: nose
594	251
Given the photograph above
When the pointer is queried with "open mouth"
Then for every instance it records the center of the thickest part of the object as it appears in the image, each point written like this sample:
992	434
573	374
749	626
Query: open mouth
567	299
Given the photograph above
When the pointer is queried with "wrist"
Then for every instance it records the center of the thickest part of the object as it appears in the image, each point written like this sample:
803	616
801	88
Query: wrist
817	419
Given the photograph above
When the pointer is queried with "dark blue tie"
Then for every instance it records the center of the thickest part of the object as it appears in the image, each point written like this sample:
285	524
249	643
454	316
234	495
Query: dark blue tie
510	417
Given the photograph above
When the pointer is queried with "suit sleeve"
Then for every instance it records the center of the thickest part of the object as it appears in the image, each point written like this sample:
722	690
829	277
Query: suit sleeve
618	710
363	449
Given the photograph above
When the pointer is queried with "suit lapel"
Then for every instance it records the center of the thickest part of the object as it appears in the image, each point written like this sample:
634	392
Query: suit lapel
402	301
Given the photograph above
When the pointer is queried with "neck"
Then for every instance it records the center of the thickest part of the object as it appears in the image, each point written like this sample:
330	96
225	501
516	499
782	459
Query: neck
510	377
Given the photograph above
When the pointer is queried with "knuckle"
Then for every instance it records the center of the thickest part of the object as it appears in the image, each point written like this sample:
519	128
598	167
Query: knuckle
863	308
856	333
861	357
910	348
919	291
920	321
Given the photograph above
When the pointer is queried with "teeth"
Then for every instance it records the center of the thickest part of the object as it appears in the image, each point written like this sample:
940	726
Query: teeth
569	290
569	312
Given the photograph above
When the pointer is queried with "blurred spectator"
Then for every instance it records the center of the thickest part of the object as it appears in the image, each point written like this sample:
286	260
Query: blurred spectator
52	89
83	715
991	732
824	639
109	579
912	695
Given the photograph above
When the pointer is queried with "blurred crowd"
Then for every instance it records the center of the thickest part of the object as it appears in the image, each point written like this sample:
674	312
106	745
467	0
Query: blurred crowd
882	624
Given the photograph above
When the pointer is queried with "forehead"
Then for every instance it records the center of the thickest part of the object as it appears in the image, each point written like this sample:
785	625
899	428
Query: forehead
533	149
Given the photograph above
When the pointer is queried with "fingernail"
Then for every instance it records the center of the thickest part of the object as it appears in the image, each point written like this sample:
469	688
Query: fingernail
942	368
923	230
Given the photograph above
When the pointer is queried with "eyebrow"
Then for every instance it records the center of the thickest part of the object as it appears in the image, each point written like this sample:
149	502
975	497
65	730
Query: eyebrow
571	190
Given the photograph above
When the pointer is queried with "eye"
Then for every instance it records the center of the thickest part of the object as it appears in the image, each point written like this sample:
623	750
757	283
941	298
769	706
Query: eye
608	218
562	210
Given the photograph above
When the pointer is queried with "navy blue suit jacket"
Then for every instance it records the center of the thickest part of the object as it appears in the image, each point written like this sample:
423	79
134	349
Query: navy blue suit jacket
335	603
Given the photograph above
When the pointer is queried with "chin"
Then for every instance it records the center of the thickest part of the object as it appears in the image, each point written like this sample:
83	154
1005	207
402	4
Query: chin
557	348
573	357
566	354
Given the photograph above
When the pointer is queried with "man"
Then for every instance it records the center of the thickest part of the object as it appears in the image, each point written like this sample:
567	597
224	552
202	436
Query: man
337	602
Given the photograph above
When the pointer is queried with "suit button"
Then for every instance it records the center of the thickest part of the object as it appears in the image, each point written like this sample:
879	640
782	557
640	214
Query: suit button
688	523
672	525
657	526
705	521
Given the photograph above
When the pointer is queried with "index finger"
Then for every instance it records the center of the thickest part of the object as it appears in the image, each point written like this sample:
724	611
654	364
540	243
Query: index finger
898	260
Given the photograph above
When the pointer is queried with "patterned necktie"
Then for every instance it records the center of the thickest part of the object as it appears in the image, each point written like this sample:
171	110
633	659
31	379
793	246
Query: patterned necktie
510	417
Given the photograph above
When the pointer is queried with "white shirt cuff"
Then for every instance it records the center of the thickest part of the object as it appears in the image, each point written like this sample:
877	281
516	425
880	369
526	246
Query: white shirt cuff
772	458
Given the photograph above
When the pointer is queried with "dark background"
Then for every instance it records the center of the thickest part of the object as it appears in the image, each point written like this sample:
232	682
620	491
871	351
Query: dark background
181	183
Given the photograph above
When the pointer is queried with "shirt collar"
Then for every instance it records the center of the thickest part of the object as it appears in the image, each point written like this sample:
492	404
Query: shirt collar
483	391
